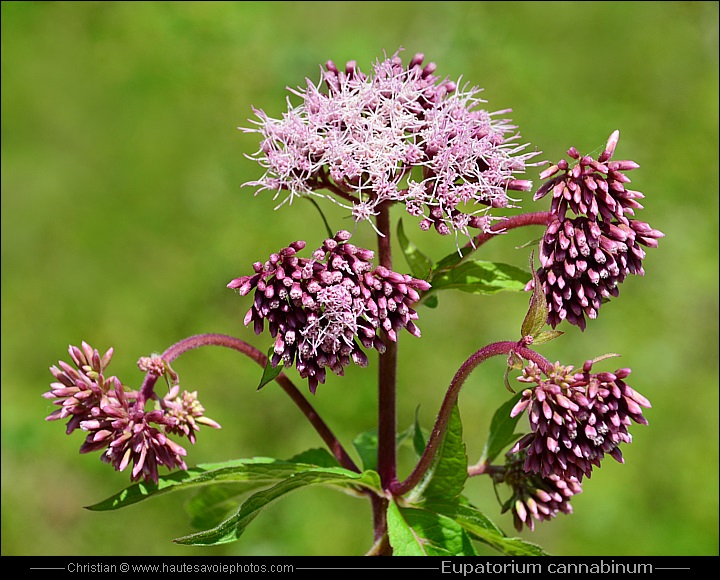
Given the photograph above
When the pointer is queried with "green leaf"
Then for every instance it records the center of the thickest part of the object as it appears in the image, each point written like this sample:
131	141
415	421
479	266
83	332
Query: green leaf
452	260
431	301
366	444
537	313
212	504
232	528
482	529
419	532
257	470
502	430
447	476
319	457
270	372
419	263
547	336
419	441
480	277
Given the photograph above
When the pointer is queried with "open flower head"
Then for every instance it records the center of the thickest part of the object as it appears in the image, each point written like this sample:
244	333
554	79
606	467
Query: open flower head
323	310
399	134
575	419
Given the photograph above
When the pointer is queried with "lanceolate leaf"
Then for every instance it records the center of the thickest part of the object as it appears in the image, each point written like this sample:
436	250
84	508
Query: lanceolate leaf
547	336
260	470
212	503
452	259
446	478
480	277
419	440
502	430
538	311
419	532
482	529
419	263
232	528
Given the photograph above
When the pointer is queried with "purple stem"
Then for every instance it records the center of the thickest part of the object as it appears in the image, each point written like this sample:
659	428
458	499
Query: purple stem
236	344
441	423
387	374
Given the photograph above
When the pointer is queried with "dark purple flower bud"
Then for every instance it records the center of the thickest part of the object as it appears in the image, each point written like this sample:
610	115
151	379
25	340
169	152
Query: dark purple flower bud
575	419
592	188
534	498
337	303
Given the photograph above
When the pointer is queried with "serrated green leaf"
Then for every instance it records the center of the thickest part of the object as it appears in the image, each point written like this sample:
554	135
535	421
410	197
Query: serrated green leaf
547	336
419	532
212	503
538	310
270	373
481	277
502	430
232	528
482	529
319	457
419	263
257	470
447	476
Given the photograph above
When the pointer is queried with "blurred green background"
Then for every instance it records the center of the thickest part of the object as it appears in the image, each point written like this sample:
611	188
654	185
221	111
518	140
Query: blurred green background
123	218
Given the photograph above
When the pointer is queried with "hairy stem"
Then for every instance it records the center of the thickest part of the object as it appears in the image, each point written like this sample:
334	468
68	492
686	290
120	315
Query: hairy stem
282	379
441	423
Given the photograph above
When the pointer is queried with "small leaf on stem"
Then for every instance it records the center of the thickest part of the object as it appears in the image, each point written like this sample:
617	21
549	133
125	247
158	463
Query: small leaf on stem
538	311
270	372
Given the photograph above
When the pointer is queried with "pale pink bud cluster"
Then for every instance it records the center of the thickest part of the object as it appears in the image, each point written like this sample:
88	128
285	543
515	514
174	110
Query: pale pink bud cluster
115	418
585	257
400	134
575	419
322	309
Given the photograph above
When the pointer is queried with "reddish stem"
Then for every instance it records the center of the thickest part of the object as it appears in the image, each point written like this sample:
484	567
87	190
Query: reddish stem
541	218
387	374
441	423
282	379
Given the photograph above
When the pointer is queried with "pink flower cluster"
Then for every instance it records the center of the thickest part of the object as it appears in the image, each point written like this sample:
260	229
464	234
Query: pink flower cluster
319	308
584	258
400	134
576	418
115	418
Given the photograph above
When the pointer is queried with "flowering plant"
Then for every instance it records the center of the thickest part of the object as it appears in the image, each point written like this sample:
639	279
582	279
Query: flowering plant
399	136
